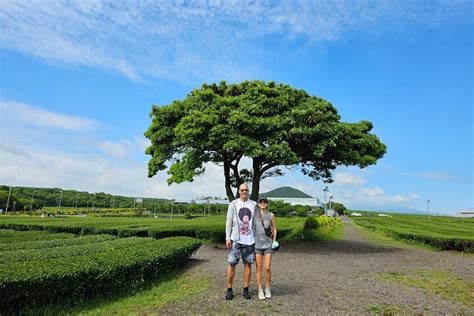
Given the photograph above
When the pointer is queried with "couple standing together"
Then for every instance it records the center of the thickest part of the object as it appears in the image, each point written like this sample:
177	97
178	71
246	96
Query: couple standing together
250	233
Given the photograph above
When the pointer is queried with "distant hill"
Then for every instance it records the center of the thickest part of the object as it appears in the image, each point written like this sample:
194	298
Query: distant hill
286	192
407	210
401	209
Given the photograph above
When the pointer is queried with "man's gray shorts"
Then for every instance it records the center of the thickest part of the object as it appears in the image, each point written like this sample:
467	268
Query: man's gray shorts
239	250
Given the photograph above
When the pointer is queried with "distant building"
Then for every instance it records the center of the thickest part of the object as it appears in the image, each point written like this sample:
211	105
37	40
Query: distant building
384	215
356	214
292	196
466	213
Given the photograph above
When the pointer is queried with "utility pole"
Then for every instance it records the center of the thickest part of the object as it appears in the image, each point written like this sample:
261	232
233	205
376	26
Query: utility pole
330	203
60	199
93	203
75	203
8	200
172	205
31	204
325	204
428	206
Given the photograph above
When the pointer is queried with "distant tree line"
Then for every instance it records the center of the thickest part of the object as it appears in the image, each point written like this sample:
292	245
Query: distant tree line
29	198
26	198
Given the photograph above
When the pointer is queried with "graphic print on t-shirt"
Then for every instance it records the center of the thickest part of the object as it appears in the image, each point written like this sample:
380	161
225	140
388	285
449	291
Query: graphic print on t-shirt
245	216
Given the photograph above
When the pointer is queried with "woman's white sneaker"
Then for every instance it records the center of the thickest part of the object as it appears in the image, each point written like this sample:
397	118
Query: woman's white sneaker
261	295
268	293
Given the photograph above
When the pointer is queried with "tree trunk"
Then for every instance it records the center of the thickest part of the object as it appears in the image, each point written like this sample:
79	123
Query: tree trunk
238	179
257	174
228	188
255	187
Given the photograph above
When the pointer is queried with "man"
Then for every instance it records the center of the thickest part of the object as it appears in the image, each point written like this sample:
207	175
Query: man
240	240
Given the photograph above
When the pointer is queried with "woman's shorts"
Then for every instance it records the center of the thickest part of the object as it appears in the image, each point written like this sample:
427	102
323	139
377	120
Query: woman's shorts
239	250
263	251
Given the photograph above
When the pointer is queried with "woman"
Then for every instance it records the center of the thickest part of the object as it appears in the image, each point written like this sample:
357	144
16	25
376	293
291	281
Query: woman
265	235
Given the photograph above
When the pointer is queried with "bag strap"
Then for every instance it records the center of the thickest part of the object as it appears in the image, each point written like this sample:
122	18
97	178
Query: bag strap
261	219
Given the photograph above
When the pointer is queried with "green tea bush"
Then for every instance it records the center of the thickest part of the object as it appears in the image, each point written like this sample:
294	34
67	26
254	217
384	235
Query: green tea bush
45	244
13	236
48	281
67	250
211	228
443	233
310	223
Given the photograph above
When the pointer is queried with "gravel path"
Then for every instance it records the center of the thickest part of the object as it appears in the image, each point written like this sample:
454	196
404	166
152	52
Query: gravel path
336	277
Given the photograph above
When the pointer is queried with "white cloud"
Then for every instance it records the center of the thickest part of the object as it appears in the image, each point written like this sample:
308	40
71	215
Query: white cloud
33	153
378	196
47	167
40	156
374	192
119	149
405	199
14	113
348	179
202	40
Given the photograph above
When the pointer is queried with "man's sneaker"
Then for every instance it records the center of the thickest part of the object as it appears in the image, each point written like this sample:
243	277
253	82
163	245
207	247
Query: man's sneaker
268	293
246	293
261	295
229	295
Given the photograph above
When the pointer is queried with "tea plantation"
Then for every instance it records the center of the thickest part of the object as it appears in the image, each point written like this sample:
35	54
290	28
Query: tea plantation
441	232
41	268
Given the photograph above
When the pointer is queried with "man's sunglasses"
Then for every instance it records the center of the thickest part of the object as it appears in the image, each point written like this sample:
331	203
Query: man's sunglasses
244	190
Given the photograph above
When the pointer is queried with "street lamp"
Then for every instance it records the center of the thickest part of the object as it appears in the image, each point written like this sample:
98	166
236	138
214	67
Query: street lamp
330	203
428	207
325	206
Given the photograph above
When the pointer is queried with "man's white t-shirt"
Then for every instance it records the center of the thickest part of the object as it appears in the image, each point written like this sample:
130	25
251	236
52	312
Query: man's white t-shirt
245	212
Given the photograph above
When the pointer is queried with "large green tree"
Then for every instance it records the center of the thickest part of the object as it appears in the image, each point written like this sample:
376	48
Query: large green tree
274	125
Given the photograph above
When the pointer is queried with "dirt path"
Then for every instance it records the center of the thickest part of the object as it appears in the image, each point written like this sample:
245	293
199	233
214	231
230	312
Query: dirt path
336	277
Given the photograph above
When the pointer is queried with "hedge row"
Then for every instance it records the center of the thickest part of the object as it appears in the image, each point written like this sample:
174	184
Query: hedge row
42	282
438	242
320	221
13	236
69	251
43	244
212	232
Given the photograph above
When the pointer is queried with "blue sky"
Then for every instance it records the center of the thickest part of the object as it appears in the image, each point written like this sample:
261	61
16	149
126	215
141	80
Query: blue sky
78	80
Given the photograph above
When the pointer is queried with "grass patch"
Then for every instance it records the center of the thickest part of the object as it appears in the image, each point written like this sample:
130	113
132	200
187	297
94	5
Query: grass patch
435	282
170	288
387	310
324	233
268	308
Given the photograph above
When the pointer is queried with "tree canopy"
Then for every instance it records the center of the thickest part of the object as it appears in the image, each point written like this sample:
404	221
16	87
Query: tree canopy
275	125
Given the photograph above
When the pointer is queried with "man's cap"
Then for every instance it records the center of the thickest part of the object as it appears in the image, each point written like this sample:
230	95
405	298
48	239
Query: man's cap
263	198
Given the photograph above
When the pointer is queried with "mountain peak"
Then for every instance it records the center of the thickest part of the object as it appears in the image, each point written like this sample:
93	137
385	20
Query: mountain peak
286	192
